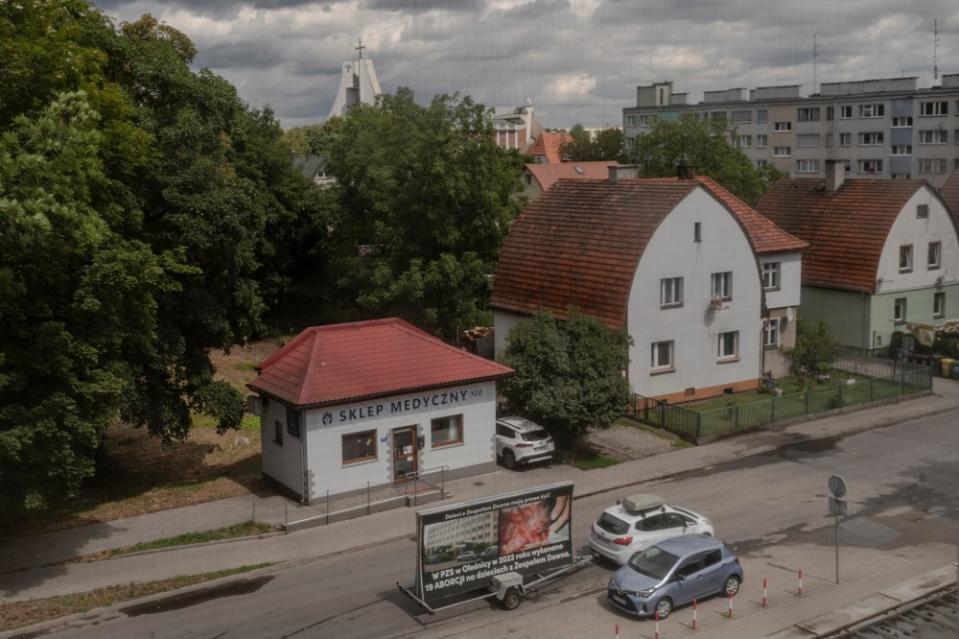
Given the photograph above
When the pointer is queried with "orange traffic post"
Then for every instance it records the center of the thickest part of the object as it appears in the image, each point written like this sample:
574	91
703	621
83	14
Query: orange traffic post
694	614
764	592
730	606
657	624
800	582
617	631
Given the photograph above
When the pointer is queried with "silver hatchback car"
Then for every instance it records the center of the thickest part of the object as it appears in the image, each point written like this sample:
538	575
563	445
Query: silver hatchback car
673	573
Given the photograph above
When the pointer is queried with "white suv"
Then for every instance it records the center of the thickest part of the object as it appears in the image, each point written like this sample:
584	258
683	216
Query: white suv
520	441
640	521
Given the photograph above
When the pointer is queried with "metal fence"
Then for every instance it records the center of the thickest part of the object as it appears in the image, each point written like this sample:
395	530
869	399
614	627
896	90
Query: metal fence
871	380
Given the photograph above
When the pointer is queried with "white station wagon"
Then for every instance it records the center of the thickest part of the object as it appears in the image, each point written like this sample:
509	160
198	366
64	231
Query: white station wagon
640	521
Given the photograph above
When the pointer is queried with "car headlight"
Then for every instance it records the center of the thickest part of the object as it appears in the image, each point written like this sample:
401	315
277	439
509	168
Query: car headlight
645	593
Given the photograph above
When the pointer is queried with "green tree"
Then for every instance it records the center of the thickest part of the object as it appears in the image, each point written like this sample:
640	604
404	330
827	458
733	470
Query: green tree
569	374
705	146
425	200
816	349
608	145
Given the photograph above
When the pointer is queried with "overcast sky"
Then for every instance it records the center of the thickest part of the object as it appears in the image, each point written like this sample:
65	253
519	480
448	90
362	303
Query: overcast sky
578	60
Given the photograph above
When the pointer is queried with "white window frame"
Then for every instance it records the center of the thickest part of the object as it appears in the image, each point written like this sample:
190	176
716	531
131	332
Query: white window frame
899	310
934	256
864	167
845	139
900	149
939	305
744	141
808	114
722	354
721	285
762	141
871	138
654	352
933	136
807	166
933	108
934	166
670	292
782	151
782	127
737	117
762	116
771	275
771	329
845	111
902	122
872	110
905	258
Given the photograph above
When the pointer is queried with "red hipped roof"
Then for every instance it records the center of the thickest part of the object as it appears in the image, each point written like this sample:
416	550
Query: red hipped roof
342	363
950	195
549	145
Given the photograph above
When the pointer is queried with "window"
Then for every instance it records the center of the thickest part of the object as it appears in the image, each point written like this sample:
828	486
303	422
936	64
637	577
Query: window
762	116
761	163
870	166
503	431
744	141
830	113
722	285
761	141
277	433
771	333
873	138
905	258
782	127
718	115
728	345
845	139
901	149
292	422
900	176
933	136
647	120
845	112
939	305
934	256
922	211
807	166
771	275
670	292
782	151
807	140
697	232
528	179
934	165
740	117
445	431
872	110
630	120
939	107
359	447
808	114
661	356
899	123
899	310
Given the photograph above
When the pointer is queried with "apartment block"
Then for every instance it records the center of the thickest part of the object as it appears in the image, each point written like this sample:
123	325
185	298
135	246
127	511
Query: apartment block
884	128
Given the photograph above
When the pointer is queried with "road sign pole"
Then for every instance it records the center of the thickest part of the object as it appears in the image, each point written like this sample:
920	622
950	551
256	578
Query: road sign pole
837	546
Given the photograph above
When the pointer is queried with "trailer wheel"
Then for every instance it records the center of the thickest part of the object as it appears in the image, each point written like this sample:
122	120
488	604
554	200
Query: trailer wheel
511	599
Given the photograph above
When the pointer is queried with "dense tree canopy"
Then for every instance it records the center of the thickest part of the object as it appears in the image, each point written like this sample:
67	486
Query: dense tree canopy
426	198
706	147
569	374
607	145
148	215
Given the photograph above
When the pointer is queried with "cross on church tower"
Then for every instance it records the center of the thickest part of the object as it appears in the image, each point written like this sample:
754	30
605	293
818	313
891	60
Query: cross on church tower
359	47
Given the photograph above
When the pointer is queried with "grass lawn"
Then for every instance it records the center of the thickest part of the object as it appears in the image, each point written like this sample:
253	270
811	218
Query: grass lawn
789	386
589	459
24	613
245	529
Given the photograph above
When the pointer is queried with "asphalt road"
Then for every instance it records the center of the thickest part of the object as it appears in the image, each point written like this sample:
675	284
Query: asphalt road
755	502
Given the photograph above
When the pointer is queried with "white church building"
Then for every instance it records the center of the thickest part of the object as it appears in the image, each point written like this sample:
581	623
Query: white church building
358	84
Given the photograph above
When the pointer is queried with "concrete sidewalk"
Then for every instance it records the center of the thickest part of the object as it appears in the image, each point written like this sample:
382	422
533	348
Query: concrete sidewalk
27	572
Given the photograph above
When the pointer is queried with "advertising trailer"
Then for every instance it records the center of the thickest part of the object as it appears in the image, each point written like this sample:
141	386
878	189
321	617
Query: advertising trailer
501	545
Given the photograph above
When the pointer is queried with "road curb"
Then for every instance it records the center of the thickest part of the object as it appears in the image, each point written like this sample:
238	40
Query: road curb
154	551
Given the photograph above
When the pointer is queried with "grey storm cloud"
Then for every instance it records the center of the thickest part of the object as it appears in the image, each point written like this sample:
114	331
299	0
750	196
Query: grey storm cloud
578	60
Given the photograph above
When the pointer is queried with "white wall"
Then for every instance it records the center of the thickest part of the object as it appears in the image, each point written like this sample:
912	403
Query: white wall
790	279
671	252
282	463
324	441
504	321
908	229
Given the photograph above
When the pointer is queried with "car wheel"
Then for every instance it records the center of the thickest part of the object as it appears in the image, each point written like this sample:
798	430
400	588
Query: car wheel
731	587
511	599
509	460
664	606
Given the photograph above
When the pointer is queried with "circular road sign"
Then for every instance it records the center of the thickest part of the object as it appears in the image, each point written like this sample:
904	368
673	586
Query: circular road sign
837	486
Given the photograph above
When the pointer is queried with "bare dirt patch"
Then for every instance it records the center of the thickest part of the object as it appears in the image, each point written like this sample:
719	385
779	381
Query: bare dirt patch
626	440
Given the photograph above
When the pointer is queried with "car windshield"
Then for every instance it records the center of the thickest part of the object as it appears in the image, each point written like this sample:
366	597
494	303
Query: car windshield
535	435
612	525
653	562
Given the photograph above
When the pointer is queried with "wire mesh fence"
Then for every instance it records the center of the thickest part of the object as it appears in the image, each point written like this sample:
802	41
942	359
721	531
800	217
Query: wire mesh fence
867	380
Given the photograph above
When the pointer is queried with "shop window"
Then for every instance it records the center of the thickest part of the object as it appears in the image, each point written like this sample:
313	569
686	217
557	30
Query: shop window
445	431
359	447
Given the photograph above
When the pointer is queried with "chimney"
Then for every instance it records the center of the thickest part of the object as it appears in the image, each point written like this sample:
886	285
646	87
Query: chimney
684	171
835	174
624	171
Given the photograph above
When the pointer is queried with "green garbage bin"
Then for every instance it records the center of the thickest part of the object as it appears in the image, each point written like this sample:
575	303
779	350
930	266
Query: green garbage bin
947	366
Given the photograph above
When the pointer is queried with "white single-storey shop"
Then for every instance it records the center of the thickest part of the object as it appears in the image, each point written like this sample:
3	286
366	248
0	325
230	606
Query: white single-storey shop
371	403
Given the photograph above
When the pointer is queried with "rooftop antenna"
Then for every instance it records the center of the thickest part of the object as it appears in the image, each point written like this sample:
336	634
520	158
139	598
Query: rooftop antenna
359	47
815	54
935	52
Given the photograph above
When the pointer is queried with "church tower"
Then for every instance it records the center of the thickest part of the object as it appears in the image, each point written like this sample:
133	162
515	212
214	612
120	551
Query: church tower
358	84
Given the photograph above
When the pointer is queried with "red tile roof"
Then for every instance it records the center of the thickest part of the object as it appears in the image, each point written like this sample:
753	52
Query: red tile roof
763	233
548	145
950	194
342	363
547	174
846	228
578	245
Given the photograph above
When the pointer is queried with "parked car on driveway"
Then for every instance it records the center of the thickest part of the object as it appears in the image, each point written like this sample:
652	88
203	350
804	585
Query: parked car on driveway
639	521
520	441
672	573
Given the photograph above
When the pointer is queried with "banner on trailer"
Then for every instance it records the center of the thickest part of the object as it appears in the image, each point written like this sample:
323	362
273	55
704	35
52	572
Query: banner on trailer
462	546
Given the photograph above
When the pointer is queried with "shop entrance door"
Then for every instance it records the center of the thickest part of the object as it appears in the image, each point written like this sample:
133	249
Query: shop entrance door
404	452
